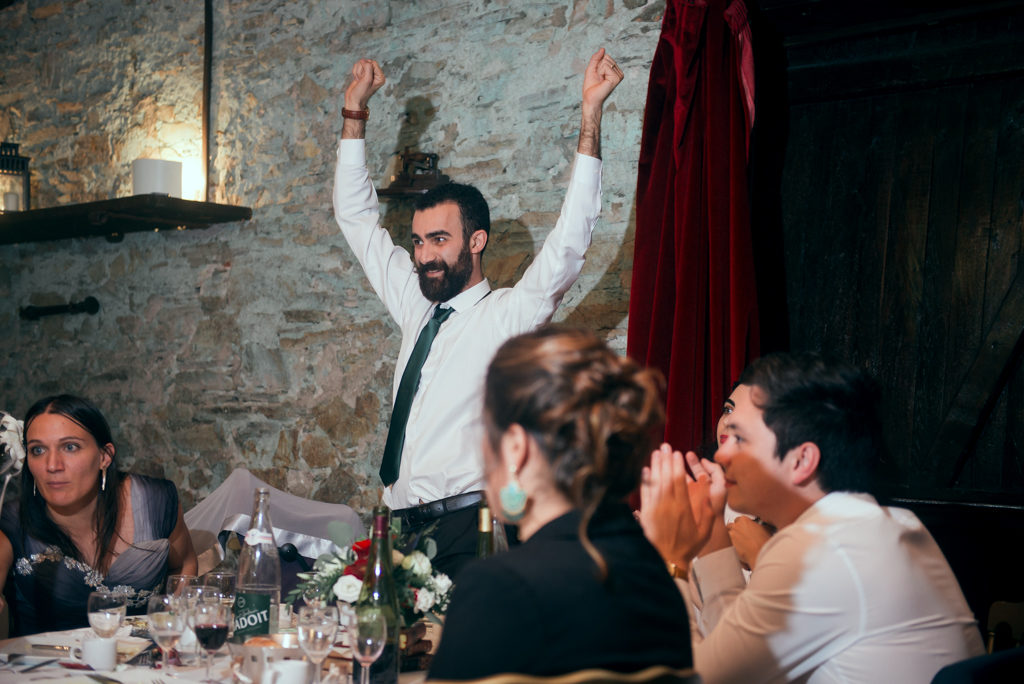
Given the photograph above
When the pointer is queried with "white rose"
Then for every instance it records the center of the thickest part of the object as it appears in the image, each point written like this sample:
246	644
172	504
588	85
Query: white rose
11	437
347	588
332	565
441	584
425	600
417	563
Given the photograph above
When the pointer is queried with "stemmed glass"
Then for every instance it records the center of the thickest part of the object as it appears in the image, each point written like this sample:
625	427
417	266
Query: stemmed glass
346	620
209	620
106	612
180	586
177	584
317	626
368	633
166	617
223	583
311	597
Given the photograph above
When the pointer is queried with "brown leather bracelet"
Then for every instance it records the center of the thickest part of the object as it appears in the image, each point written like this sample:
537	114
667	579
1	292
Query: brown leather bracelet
362	114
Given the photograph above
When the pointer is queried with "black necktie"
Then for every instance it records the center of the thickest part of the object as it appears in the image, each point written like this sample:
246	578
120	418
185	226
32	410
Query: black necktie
406	391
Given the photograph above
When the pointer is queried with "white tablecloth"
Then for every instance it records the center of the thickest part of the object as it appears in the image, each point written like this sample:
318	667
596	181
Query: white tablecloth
13	662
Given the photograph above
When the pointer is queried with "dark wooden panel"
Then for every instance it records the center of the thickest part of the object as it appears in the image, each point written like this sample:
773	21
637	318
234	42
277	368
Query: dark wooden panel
967	305
935	316
1007	229
903	226
803	205
902	277
928	55
980	386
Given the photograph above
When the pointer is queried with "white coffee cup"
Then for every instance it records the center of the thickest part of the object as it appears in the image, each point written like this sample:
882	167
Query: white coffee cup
286	672
97	653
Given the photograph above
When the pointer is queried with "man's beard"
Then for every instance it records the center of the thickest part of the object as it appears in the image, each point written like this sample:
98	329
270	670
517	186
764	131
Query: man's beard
450	283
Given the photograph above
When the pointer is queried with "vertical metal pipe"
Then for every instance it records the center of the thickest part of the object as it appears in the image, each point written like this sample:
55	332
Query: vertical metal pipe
207	77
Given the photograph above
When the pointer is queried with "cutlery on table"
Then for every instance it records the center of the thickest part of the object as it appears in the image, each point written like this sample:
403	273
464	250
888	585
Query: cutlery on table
102	678
39	664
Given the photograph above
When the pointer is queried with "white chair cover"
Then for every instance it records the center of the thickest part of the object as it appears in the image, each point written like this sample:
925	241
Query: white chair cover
299	521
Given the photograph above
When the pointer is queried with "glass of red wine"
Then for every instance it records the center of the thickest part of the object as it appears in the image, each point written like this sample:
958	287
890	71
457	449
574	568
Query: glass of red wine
209	620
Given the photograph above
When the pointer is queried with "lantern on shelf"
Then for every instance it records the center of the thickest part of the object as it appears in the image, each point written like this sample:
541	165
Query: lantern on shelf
419	173
14	179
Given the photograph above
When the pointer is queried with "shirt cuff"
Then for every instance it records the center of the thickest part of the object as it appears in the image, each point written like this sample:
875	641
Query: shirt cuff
586	171
717	572
352	151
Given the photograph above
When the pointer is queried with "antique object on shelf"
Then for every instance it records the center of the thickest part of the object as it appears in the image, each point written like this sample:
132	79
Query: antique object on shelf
15	190
113	218
419	173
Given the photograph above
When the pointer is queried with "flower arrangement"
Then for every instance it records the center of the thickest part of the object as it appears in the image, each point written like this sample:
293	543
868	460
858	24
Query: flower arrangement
422	592
12	449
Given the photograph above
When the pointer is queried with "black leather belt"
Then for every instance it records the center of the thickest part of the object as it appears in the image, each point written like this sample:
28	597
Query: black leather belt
424	513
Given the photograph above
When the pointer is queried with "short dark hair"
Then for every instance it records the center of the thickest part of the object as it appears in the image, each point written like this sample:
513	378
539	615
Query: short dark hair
473	209
834	405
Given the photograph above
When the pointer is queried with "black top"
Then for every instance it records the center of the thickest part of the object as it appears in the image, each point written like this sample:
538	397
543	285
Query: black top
542	609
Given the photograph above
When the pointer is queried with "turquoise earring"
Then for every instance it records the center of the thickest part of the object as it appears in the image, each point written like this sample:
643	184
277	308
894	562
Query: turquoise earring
513	499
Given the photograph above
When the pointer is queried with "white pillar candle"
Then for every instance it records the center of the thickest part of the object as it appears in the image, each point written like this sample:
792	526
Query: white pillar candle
156	175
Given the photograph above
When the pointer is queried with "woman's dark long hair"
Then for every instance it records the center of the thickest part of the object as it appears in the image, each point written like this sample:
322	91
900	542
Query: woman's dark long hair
35	518
591	411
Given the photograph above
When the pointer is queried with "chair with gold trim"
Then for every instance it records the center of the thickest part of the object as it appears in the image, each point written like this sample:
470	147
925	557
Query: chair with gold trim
1005	626
656	674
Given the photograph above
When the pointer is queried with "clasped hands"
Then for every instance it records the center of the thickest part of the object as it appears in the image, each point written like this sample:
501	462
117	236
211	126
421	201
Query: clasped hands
682	512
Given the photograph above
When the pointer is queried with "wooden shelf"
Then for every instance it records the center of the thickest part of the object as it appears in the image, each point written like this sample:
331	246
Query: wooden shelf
113	218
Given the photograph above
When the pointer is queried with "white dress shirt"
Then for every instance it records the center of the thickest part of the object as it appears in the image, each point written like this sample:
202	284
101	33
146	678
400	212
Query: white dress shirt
442	452
850	592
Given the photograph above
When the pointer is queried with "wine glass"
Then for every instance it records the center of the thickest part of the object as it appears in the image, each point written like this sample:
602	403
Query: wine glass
317	627
176	584
369	632
166	617
311	597
346	619
223	583
106	611
209	620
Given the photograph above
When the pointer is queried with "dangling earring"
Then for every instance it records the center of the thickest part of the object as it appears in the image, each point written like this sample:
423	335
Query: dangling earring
103	480
34	492
513	499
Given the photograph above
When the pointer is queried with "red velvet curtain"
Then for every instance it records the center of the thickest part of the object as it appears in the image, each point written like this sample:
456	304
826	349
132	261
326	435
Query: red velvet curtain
693	304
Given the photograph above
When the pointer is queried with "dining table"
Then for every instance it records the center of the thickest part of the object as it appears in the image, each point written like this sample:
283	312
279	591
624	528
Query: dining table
47	657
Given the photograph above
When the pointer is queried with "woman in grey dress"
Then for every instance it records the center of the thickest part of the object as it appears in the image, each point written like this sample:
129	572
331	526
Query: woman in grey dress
80	524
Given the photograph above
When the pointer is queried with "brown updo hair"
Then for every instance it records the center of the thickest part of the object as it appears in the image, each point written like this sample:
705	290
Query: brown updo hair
591	412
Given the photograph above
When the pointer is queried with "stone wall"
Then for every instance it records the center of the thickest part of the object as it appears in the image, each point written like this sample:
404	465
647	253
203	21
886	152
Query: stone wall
260	344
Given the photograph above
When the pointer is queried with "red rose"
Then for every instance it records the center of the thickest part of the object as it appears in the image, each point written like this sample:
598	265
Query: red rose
362	549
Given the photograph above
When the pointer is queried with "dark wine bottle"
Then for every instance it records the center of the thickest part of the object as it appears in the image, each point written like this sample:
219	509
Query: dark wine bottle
379	593
485	532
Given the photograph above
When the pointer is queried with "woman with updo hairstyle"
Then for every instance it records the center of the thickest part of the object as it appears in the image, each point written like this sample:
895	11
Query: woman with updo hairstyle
81	525
568	428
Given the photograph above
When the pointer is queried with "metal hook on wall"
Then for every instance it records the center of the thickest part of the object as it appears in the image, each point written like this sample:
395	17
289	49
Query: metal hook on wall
89	305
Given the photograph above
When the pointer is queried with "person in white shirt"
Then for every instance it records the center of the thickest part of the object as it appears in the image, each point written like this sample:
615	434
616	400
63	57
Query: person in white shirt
437	476
846	590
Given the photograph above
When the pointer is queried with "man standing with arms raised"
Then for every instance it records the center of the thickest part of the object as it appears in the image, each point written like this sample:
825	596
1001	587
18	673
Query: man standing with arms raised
451	320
